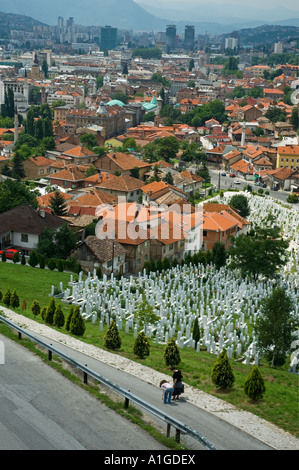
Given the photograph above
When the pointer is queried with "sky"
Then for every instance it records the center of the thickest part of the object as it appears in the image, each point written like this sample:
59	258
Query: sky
265	4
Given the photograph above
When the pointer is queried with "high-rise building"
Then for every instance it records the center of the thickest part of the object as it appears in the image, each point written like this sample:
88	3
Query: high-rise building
108	38
170	37
189	37
231	43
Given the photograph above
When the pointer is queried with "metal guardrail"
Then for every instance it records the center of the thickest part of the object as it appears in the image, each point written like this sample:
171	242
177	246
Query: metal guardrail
169	420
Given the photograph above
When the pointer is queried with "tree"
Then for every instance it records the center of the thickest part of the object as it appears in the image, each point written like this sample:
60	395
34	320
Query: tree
260	254
58	319
57	243
58	204
254	385
219	254
45	68
16	258
196	331
14	300
171	353
33	259
222	373
112	338
3	256
145	314
293	198
89	140
275	326
240	202
141	345
18	171
6	297
35	308
69	318
77	324
50	312
14	193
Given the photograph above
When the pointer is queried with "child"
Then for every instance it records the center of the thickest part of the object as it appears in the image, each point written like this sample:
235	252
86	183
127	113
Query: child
167	391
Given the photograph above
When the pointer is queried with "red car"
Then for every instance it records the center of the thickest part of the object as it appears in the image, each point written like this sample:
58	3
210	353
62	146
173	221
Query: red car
232	175
9	252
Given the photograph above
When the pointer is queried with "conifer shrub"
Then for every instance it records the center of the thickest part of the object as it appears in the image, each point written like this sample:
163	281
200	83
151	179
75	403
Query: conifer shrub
42	262
77	324
3	256
6	297
35	308
112	338
141	345
222	373
196	331
50	312
14	300
33	259
58	319
254	385
43	312
172	353
1	295
23	260
69	317
52	264
16	258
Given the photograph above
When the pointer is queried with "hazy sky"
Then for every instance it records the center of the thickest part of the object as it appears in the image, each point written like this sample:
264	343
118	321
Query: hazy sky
263	5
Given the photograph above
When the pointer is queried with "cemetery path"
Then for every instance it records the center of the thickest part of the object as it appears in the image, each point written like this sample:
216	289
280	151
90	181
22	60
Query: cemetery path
219	422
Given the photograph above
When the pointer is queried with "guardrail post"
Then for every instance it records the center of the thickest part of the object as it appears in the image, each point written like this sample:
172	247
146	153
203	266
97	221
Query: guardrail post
177	435
126	403
50	355
19	335
168	429
85	377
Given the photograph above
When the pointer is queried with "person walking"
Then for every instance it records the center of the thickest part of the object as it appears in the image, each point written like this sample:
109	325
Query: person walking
177	383
167	391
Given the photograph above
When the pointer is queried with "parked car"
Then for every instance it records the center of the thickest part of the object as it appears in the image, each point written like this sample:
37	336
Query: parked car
274	188
10	252
237	182
232	175
223	174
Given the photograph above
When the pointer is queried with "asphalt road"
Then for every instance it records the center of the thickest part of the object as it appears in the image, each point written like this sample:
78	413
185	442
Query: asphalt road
41	410
66	407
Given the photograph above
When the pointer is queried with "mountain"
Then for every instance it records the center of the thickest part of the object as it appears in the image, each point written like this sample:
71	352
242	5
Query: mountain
144	15
123	14
9	21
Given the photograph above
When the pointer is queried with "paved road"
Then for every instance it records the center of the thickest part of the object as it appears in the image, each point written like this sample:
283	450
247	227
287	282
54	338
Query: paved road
41	410
220	434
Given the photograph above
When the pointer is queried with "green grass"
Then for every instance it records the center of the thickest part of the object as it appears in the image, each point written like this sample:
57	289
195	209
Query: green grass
279	404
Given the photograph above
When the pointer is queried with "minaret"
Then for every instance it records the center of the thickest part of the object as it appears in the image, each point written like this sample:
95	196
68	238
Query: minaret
16	126
243	134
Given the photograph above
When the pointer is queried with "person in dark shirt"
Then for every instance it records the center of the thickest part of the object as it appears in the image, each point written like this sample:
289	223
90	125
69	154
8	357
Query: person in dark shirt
177	383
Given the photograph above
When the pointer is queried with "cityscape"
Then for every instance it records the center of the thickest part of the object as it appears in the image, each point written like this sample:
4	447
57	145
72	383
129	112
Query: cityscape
149	229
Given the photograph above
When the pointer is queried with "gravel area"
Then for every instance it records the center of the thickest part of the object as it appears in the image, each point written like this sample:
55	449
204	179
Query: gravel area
257	427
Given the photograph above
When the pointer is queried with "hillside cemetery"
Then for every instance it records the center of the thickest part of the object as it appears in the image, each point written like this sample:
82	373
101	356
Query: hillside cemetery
224	304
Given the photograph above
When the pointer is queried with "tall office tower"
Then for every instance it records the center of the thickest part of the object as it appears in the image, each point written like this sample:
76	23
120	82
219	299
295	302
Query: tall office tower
108	38
231	43
189	38
170	37
60	24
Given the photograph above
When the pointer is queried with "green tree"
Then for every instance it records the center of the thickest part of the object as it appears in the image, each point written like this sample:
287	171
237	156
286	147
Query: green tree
293	198
58	204
14	193
50	312
35	308
16	258
6	297
45	68
145	314
77	324
69	317
260	254
275	326
240	202
222	373
33	259
171	353
219	254
14	300
3	256
89	140
141	345
254	385
196	331
58	319
112	338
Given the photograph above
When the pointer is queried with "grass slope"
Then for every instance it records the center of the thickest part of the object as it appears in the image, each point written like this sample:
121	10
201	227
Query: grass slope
279	404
